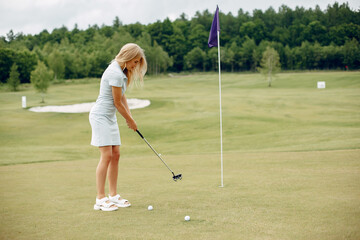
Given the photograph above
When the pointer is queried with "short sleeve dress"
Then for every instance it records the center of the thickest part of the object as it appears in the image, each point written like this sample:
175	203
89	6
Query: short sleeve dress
102	117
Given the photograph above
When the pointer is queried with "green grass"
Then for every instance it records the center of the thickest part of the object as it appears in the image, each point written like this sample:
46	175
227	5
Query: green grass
291	161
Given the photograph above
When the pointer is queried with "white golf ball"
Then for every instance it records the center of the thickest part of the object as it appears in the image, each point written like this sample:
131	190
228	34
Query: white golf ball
187	218
150	208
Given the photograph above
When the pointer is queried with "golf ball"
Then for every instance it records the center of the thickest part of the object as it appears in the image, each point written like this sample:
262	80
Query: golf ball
150	208
187	218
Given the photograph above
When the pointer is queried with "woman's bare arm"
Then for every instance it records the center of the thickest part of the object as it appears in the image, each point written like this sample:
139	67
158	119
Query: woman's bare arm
124	102
123	108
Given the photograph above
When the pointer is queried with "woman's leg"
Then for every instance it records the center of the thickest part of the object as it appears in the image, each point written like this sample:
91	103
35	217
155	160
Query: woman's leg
113	170
101	170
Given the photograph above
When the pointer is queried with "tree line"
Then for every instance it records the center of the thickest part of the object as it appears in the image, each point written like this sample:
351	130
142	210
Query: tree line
304	39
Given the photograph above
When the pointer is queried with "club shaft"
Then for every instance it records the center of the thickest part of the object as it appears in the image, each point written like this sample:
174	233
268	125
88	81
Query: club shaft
158	155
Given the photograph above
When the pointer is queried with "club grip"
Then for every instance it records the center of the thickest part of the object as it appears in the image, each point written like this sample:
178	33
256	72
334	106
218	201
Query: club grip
140	134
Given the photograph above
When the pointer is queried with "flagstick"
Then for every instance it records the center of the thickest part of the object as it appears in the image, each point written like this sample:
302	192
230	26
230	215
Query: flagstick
221	143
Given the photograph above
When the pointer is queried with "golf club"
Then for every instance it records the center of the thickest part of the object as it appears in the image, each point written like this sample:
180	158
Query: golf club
175	177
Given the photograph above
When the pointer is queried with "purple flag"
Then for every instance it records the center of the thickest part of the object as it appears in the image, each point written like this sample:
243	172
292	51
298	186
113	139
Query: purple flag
215	27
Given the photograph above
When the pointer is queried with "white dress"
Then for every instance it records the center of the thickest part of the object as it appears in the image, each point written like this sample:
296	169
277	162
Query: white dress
102	117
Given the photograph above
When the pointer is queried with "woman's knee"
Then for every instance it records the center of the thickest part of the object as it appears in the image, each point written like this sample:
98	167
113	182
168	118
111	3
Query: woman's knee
115	154
106	154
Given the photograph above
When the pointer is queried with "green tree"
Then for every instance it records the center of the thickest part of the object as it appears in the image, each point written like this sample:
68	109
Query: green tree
213	58
281	34
339	14
117	23
258	53
286	16
351	51
270	64
296	32
40	79
310	34
158	59
25	60
6	61
236	50
253	29
270	19
195	59
332	57
56	64
289	58
246	51
107	31
341	33
198	36
229	28
177	46
315	31
14	80
135	29
167	34
229	57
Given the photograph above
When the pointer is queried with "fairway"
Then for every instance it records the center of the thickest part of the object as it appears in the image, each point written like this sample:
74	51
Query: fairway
291	161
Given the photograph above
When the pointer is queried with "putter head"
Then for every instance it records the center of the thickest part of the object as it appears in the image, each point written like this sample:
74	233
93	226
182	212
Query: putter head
177	177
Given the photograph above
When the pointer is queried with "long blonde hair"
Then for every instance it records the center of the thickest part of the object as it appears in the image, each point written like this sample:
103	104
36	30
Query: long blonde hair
127	53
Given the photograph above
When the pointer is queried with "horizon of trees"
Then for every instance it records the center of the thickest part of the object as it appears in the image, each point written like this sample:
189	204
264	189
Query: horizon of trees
305	39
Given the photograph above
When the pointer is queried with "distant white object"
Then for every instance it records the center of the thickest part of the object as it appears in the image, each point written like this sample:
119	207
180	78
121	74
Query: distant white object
320	84
187	218
23	101
150	208
86	107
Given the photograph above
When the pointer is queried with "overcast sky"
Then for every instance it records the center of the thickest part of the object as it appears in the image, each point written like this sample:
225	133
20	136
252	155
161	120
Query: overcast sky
33	16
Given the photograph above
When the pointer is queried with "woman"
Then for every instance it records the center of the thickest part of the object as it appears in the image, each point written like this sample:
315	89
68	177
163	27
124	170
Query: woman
128	67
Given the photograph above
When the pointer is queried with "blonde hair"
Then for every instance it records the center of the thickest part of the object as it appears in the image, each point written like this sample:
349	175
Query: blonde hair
127	53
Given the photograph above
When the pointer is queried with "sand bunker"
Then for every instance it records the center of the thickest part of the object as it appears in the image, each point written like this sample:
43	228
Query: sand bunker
86	107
